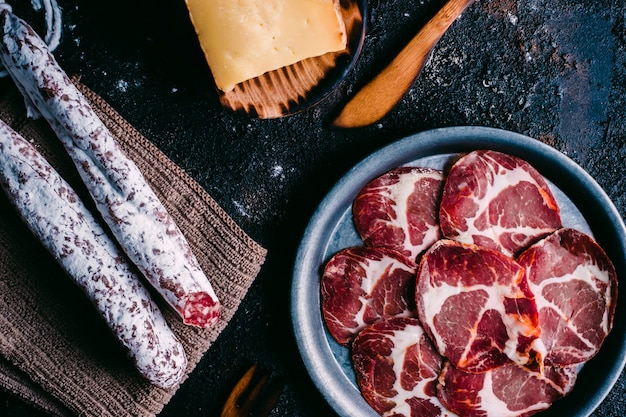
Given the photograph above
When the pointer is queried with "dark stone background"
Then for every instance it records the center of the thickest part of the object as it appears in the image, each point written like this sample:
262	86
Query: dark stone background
554	70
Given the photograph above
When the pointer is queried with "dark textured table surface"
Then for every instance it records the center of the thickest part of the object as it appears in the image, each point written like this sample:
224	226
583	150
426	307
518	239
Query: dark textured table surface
554	70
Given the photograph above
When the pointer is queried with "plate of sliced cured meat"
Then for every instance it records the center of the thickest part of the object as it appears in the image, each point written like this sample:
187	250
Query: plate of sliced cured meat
463	271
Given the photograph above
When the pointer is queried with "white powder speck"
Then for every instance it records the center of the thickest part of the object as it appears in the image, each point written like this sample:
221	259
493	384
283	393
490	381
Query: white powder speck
241	208
122	86
379	125
278	172
174	90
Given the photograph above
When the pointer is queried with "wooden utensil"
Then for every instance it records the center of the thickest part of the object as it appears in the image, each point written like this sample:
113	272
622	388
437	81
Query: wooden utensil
383	92
253	395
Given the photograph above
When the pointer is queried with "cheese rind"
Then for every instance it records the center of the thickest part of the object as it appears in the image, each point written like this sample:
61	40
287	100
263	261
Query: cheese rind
243	39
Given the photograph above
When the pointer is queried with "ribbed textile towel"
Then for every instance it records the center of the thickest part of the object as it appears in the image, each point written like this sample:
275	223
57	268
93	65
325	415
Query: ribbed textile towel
55	352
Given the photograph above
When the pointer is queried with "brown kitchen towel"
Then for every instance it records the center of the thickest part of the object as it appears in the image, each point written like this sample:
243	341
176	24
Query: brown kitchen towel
54	350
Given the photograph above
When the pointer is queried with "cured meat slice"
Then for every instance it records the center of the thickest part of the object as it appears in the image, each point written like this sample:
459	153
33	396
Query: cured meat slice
400	210
56	216
508	391
498	201
130	207
362	285
575	287
396	369
476	306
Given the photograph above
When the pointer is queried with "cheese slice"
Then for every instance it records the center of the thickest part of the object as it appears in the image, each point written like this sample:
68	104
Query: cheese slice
243	39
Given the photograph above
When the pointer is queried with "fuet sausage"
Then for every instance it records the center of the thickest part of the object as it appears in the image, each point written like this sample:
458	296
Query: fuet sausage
56	215
133	212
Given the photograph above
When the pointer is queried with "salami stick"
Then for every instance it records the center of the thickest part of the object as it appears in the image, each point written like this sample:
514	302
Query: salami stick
137	218
57	216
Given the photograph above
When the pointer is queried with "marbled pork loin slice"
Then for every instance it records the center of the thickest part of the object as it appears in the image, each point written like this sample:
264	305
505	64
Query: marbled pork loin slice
362	285
498	201
397	368
575	287
508	391
400	210
476	306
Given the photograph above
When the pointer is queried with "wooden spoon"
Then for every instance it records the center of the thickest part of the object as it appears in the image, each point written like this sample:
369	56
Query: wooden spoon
383	92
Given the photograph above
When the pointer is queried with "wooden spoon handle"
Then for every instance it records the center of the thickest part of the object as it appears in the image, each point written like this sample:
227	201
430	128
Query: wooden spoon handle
383	92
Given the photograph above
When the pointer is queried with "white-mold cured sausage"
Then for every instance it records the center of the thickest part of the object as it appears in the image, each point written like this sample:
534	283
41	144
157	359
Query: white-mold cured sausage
57	216
136	217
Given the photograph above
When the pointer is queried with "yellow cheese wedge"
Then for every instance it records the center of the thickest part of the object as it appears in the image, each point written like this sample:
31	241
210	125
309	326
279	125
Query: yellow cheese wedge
243	39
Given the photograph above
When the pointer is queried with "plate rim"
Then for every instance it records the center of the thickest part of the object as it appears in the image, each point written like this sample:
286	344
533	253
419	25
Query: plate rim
327	376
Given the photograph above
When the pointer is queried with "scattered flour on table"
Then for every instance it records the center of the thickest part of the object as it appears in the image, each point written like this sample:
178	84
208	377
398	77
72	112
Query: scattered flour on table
241	209
277	172
122	86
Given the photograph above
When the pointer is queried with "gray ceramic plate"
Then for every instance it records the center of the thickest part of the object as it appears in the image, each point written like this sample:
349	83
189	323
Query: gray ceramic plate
584	206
